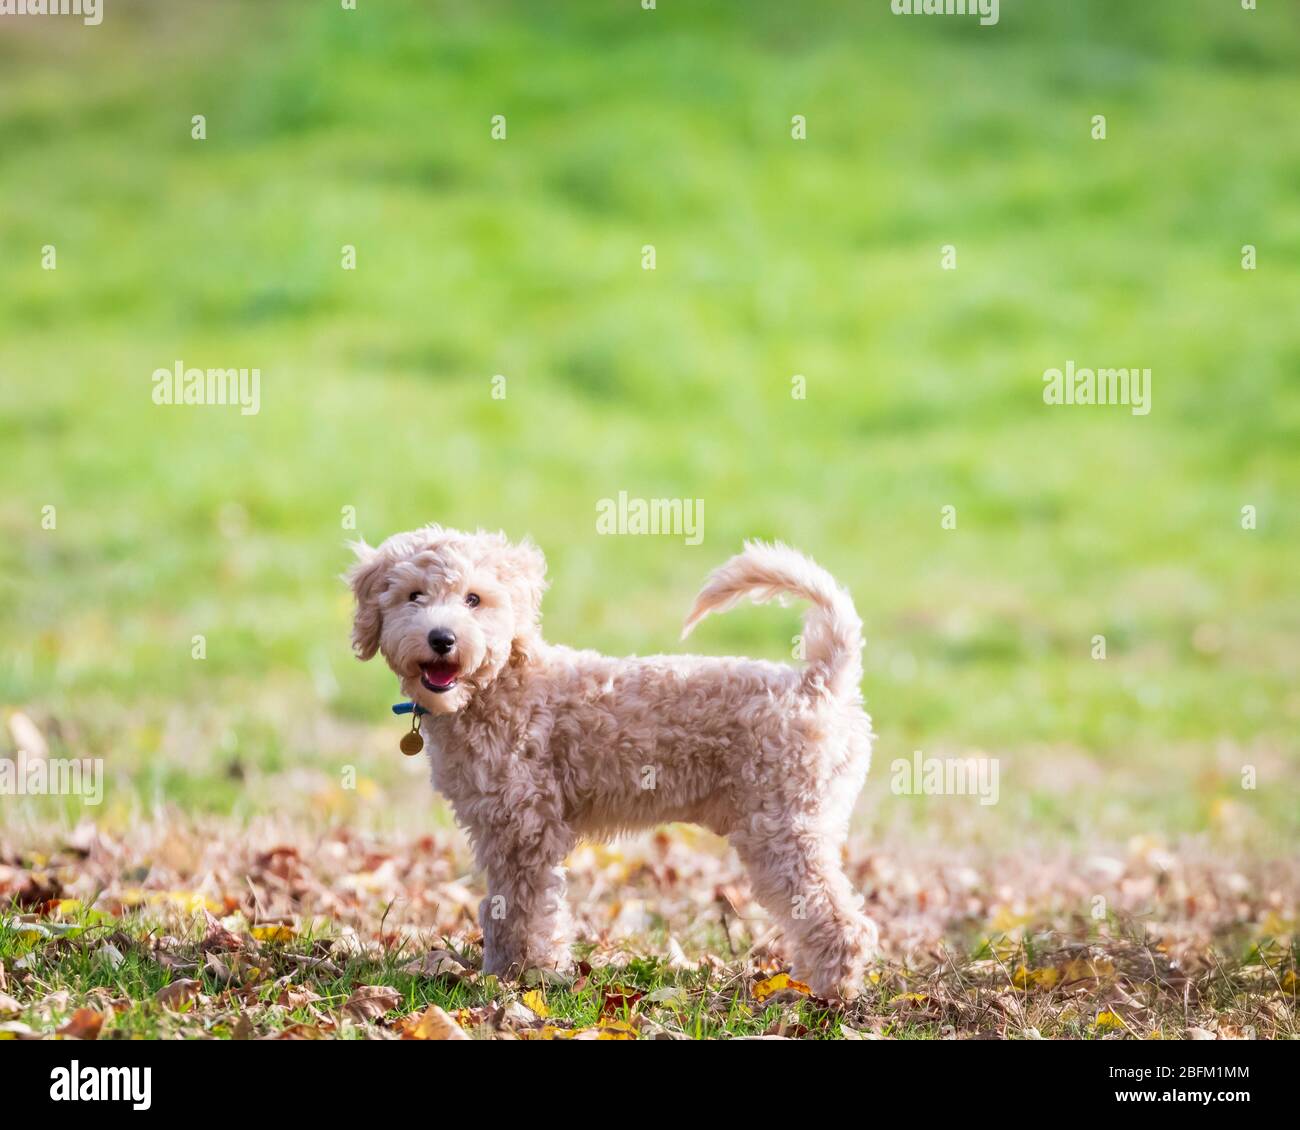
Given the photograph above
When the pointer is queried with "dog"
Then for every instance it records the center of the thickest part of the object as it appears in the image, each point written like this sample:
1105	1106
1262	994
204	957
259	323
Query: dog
537	745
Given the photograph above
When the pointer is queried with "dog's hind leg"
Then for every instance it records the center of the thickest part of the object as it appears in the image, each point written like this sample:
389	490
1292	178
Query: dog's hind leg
799	881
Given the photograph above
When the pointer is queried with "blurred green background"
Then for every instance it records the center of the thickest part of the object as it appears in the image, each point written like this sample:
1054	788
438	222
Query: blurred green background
775	257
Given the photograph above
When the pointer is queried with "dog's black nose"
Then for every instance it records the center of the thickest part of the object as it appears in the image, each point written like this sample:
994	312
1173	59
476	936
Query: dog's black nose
441	640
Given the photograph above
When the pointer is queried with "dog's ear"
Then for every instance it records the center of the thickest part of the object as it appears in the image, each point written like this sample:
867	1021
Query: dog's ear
523	570
366	578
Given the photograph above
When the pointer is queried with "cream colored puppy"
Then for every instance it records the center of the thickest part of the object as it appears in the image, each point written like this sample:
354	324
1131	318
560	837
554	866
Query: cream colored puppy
536	744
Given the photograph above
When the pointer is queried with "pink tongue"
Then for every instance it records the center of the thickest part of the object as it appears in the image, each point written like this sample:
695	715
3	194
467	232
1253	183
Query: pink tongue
441	677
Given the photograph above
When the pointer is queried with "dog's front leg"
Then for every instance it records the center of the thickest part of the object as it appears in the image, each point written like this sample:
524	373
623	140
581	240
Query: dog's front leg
524	918
521	836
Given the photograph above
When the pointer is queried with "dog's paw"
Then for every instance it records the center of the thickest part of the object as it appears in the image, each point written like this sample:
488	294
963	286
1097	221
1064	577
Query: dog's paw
837	971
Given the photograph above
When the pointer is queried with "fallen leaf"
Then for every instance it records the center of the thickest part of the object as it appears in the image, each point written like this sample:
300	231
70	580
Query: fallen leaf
606	1028
619	999
781	983
216	936
370	1002
1035	978
110	954
432	1024
84	1024
295	996
274	933
516	1012
670	996
534	1000
219	969
438	963
178	995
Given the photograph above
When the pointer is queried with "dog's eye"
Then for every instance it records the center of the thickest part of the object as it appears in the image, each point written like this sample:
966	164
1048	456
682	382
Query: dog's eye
415	597
473	600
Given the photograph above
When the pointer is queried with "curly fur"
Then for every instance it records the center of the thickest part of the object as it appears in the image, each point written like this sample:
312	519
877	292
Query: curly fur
537	745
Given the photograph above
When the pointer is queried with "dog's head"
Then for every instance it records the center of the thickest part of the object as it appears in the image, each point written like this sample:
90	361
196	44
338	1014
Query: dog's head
448	610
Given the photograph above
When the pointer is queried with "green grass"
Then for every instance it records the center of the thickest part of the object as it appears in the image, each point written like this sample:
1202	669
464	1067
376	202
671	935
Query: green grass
774	257
123	968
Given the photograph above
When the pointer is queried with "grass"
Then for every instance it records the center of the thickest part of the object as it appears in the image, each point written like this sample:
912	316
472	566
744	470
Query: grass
774	257
211	933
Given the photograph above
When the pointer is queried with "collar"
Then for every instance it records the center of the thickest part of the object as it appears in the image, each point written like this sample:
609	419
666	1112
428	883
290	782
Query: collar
407	707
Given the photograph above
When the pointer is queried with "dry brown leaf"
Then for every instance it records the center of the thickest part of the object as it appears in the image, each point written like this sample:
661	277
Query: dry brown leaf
84	1024
217	937
516	1012
437	963
178	995
370	1002
295	996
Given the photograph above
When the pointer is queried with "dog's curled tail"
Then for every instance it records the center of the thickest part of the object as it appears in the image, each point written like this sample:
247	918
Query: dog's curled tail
832	636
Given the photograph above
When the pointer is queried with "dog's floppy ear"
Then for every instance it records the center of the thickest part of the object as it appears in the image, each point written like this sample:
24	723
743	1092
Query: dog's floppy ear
522	568
366	578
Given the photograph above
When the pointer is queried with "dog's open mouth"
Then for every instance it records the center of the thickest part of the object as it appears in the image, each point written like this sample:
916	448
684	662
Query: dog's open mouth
440	675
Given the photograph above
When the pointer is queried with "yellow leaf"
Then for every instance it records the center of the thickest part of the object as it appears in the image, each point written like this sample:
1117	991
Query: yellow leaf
782	982
1082	969
277	933
534	1000
432	1024
909	998
1290	984
610	1029
1107	1021
1035	978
